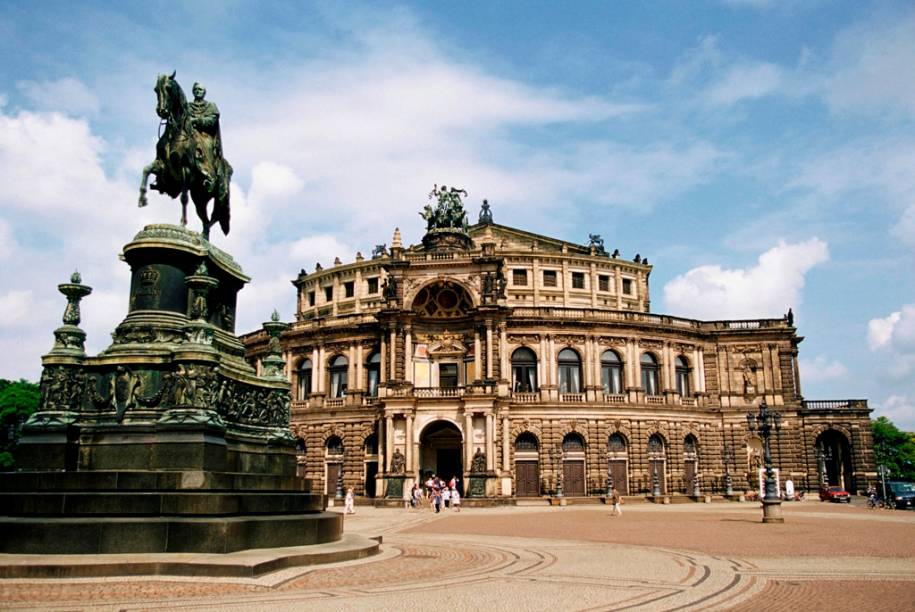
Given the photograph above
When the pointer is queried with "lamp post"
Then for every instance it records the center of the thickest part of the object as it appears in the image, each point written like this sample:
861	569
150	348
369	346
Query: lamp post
339	493
557	461
728	456
823	454
765	423
655	480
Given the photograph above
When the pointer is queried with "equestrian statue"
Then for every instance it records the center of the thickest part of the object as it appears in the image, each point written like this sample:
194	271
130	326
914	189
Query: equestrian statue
189	154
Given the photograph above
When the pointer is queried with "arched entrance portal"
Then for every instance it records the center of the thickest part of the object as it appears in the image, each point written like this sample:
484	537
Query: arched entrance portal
835	459
440	450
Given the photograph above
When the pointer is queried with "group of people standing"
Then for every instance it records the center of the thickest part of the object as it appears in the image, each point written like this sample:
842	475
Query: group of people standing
435	494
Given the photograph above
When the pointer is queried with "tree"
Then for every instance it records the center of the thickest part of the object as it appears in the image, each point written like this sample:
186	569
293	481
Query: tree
18	400
894	448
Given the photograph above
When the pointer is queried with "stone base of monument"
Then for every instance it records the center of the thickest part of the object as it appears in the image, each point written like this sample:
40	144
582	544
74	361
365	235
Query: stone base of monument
242	564
168	441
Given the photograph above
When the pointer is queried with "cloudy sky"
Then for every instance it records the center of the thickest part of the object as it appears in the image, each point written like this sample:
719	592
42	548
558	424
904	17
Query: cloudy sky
760	153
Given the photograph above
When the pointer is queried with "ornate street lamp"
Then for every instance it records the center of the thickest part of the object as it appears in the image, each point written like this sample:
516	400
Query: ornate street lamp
557	461
339	494
655	480
728	456
764	423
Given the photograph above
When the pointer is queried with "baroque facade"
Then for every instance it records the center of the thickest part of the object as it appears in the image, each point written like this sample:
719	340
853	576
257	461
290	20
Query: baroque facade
524	364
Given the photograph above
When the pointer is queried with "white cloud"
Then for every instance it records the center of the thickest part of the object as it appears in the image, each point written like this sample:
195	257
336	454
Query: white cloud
15	305
7	239
822	369
895	332
767	289
748	81
904	230
68	95
900	409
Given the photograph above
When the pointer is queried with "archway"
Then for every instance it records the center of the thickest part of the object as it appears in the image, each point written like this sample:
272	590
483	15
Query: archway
440	447
573	465
835	459
618	458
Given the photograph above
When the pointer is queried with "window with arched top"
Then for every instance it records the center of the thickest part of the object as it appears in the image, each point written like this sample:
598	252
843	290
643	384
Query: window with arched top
569	371
690	446
334	445
656	444
372	374
371	445
526	441
611	372
339	367
524	370
649	365
299	446
573	442
616	443
682	370
304	384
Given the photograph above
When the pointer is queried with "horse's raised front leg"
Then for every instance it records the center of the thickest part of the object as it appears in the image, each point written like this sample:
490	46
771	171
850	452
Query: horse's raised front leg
152	168
184	207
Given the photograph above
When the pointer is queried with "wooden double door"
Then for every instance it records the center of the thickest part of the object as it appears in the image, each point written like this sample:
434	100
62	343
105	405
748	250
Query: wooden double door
527	478
620	475
573	478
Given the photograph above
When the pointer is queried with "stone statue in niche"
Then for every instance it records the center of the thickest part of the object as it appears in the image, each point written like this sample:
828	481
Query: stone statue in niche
479	462
398	462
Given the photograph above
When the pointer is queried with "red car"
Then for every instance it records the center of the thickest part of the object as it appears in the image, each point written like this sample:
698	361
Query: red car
835	494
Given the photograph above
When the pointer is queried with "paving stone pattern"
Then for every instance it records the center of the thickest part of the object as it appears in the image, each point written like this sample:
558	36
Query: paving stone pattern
689	556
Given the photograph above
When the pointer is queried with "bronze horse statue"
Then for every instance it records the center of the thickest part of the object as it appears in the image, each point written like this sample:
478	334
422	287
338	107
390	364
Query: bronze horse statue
189	154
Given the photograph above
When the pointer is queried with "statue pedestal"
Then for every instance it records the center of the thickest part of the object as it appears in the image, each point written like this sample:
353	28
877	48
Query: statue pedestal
394	486
167	441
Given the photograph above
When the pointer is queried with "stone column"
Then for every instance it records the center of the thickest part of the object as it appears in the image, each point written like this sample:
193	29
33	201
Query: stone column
468	441
477	355
489	350
393	342
632	364
697	371
490	442
505	445
408	438
665	367
542	361
554	376
618	281
360	370
587	371
408	354
388	441
504	364
700	365
382	370
351	371
382	445
315	374
322	357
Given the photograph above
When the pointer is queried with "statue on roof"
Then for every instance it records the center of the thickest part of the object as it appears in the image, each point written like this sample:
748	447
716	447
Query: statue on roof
596	242
448	212
485	213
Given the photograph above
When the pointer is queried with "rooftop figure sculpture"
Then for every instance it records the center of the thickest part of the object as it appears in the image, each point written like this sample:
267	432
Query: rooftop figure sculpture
189	156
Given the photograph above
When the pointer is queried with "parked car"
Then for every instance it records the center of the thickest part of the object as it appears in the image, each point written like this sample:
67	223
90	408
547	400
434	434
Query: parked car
835	494
900	494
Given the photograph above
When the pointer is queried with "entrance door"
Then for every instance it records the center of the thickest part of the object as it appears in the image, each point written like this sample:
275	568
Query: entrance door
448	462
371	471
333	474
620	476
527	478
573	478
689	471
440	453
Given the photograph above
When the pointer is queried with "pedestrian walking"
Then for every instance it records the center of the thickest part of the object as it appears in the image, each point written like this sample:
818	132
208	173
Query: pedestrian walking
616	499
456	500
349	502
446	497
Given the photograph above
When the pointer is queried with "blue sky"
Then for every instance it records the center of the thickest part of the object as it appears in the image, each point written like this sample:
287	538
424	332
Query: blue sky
759	153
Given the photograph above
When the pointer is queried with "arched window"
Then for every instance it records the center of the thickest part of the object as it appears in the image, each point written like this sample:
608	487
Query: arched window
681	366
526	441
338	372
304	379
616	443
334	445
371	445
611	372
524	370
655	445
649	374
372	374
299	446
690	446
569	371
573	443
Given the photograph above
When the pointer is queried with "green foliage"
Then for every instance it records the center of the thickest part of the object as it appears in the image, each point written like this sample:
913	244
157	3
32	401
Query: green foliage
894	448
18	400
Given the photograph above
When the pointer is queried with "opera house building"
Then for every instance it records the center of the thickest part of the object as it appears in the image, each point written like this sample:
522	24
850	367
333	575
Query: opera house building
528	366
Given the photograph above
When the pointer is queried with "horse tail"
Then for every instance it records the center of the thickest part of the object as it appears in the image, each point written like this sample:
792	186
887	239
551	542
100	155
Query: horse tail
221	205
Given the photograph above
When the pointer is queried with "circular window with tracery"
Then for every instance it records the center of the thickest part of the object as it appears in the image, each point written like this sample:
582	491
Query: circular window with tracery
443	300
